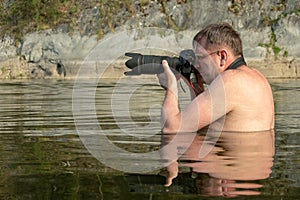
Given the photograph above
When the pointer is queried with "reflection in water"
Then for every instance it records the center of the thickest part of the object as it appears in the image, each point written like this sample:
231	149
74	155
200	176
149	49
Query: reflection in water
235	160
43	157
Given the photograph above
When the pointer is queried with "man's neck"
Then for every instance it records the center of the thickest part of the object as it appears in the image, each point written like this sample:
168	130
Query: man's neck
237	63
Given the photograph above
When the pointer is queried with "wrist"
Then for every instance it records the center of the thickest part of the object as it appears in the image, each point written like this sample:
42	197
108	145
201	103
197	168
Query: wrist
172	91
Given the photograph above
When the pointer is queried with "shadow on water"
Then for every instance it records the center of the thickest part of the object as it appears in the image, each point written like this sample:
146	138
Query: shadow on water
43	157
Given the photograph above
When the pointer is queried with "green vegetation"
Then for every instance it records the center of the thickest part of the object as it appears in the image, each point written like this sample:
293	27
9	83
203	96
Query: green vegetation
268	21
19	17
271	46
237	6
110	9
23	16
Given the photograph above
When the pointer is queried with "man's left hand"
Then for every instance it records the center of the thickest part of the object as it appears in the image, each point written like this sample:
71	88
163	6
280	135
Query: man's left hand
167	79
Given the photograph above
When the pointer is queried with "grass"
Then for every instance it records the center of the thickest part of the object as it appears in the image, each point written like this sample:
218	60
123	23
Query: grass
23	16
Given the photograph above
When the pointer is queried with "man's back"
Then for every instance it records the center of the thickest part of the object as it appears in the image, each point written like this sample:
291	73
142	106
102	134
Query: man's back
249	99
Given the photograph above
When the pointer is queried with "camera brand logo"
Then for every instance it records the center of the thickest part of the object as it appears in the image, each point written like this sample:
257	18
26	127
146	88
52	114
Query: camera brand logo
106	110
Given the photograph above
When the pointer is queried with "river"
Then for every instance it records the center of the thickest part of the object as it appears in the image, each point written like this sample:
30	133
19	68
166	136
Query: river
51	148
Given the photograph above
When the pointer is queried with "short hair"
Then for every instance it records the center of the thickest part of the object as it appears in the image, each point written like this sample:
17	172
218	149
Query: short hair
222	34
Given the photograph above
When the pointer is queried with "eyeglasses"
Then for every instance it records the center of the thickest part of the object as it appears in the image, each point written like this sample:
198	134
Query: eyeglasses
200	57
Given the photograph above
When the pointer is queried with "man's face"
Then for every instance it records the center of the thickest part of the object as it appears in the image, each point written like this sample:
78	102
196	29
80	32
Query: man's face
206	62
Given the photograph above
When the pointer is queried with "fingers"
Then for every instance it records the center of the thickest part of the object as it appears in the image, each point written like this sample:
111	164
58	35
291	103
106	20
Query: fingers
163	77
166	66
168	182
169	71
162	80
173	173
167	79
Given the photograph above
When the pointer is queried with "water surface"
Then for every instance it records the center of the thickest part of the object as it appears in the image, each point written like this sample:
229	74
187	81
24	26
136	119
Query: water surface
43	156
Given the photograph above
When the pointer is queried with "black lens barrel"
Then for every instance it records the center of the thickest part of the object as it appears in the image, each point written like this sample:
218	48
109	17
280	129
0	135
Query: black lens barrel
151	64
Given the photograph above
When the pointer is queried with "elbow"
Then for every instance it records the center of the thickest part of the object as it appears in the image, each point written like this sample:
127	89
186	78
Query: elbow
169	127
170	122
177	126
166	129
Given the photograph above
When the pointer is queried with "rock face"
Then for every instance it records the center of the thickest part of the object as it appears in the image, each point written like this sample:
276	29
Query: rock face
269	30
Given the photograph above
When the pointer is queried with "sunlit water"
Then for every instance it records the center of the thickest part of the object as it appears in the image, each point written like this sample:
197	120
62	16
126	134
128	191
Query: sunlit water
44	155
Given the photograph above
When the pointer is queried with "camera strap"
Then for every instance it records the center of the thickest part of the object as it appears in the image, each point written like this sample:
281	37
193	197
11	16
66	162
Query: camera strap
237	63
195	84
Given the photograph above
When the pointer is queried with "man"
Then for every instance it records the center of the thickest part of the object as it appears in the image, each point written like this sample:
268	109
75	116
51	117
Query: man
238	97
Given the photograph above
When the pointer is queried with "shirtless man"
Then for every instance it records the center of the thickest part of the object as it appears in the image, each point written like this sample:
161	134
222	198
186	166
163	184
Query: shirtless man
238	98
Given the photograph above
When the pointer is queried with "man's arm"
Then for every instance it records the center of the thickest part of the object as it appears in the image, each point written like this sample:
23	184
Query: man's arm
202	111
170	110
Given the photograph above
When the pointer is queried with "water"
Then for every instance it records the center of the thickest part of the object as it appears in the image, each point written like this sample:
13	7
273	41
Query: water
44	155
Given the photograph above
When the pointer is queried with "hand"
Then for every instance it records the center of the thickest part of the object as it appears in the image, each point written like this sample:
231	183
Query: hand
167	79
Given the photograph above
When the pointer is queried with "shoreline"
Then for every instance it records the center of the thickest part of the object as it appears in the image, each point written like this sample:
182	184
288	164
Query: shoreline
16	68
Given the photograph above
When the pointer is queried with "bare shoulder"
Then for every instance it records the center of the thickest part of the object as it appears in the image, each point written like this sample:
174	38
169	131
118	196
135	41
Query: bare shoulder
245	78
246	85
248	99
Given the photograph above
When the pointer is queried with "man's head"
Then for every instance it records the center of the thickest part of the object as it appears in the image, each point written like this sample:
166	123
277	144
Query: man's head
218	45
220	36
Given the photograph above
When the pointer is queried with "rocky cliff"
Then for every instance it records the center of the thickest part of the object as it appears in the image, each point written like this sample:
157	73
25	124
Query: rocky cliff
269	29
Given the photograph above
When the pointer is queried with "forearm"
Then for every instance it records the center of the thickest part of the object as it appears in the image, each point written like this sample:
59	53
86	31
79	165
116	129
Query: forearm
170	112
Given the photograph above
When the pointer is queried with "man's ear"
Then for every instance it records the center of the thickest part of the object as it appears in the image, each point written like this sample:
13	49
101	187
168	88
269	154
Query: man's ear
224	56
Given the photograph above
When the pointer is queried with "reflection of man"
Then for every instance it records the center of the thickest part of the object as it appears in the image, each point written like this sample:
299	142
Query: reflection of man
237	156
235	91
